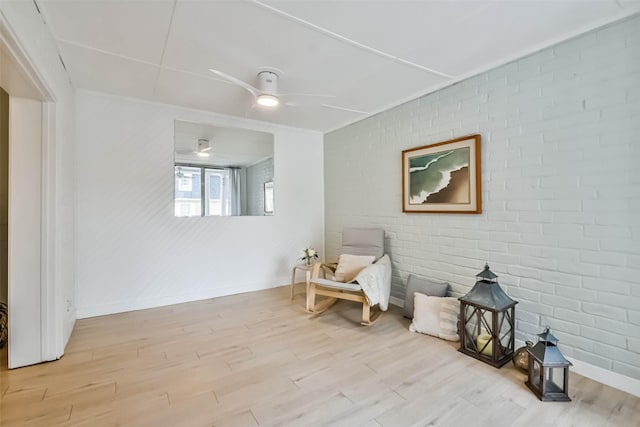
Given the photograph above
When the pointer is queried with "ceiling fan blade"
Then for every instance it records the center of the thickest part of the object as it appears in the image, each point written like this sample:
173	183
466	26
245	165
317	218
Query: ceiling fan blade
351	110
315	95
254	91
184	151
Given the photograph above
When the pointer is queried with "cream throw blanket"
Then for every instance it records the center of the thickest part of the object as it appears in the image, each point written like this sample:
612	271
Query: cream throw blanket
375	280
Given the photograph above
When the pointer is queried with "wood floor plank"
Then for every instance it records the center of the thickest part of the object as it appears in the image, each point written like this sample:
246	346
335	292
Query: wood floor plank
258	359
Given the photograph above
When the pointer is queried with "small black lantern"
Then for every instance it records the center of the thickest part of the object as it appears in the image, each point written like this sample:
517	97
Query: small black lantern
487	316
548	370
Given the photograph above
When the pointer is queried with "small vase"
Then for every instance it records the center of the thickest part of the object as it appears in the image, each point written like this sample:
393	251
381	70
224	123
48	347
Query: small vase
308	262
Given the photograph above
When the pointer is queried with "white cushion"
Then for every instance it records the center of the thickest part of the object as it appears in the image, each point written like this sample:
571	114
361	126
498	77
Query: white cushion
449	316
337	285
350	265
426	314
436	316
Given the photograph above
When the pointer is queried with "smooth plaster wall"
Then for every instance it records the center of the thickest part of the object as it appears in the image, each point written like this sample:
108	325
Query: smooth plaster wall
133	253
561	191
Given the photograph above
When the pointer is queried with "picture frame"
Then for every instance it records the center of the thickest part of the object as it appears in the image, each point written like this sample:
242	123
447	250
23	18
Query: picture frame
443	177
268	198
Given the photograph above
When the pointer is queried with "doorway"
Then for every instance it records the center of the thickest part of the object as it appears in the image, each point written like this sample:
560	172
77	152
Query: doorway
4	220
26	135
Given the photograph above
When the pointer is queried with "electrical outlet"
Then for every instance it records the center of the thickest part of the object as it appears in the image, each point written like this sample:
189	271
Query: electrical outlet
68	305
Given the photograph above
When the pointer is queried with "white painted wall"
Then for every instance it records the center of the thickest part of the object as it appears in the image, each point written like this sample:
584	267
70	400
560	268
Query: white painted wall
25	183
36	43
561	194
133	253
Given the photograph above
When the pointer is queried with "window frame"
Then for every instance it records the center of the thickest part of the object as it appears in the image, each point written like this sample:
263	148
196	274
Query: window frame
203	195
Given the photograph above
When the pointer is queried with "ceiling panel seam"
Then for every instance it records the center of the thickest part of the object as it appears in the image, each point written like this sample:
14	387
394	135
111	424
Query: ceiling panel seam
350	110
164	47
106	52
347	40
50	29
141	61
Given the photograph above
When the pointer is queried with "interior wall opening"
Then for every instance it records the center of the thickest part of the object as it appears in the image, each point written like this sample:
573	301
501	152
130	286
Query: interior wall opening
4	219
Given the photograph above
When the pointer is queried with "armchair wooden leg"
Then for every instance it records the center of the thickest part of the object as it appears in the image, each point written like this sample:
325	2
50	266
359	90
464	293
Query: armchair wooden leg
323	305
366	312
369	318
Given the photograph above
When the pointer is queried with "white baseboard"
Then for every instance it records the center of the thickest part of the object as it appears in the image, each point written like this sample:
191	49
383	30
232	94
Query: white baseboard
605	376
142	304
601	375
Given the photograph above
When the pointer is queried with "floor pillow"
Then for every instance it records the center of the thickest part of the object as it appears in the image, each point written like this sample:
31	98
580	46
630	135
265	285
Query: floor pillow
436	316
424	286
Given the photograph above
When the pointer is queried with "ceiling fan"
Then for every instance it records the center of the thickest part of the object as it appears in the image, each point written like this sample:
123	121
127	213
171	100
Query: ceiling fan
204	147
267	94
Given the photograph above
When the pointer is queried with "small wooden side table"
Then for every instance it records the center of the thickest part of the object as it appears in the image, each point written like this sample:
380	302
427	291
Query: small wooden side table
307	276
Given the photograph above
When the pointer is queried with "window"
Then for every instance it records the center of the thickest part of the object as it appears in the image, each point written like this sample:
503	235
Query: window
211	196
214	183
187	184
184	183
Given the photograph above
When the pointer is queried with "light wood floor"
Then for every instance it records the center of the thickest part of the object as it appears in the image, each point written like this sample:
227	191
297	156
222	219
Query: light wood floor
258	359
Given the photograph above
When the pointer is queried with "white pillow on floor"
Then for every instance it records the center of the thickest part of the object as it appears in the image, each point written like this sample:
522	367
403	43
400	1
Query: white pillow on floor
426	314
436	316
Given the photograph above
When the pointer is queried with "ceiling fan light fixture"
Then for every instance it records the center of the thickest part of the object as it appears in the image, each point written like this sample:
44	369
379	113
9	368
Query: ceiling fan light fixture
267	100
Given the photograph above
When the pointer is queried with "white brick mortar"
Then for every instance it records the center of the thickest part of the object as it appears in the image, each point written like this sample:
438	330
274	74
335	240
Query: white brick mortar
560	191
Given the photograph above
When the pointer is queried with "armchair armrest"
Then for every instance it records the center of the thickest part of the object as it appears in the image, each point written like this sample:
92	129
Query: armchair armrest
330	267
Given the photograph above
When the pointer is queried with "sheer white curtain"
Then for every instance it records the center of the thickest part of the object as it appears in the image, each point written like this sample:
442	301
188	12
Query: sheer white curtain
233	205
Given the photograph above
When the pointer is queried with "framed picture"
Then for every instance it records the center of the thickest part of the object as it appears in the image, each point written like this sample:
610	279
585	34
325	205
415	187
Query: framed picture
268	197
443	177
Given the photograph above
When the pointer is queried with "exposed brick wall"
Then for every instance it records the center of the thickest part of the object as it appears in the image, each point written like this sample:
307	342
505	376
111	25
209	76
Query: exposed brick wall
257	175
561	191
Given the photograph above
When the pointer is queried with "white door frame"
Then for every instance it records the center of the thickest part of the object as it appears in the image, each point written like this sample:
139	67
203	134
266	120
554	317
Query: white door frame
51	310
52	344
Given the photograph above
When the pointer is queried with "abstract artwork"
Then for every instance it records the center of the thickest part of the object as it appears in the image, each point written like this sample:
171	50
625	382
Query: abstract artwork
442	177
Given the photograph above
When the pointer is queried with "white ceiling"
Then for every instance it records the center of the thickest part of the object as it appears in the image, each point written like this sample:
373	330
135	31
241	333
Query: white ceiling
229	146
369	55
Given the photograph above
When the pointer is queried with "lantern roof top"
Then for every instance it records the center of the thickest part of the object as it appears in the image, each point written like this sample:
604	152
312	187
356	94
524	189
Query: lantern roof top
486	273
487	293
547	336
548	354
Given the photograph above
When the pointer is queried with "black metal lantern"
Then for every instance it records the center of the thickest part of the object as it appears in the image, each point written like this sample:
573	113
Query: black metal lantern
487	316
548	370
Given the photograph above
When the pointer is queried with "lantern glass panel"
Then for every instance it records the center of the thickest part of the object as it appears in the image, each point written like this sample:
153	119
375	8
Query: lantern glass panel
555	380
486	325
505	330
536	375
471	328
